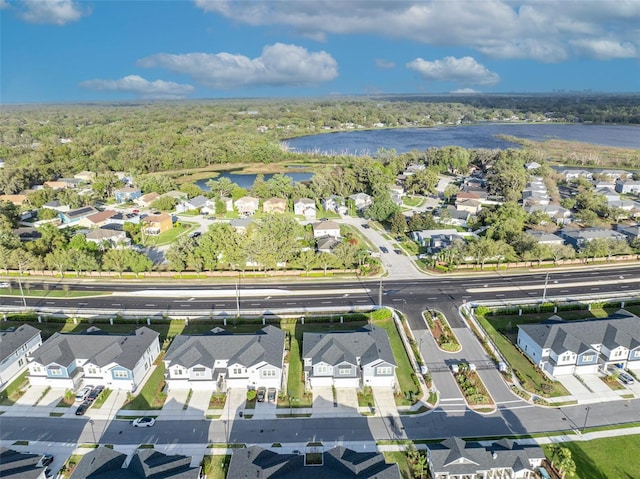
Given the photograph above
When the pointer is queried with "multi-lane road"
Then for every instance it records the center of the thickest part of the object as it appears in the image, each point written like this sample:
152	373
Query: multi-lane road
411	296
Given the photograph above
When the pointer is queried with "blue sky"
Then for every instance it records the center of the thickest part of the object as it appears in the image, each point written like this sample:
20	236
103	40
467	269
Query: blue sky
70	50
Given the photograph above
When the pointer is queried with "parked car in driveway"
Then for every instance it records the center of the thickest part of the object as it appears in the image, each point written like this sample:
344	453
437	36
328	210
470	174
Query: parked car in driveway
5	284
625	378
271	394
83	408
262	392
95	393
83	393
144	422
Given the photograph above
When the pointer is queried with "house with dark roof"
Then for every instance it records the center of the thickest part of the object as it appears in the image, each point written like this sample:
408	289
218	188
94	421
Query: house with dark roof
108	236
16	344
455	458
220	360
632	231
197	203
73	217
582	347
628	186
578	238
127	193
116	361
107	463
349	358
337	463
19	465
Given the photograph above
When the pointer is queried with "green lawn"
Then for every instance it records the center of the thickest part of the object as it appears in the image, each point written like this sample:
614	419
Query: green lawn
609	458
97	404
400	458
167	237
15	390
151	395
412	201
531	378
215	466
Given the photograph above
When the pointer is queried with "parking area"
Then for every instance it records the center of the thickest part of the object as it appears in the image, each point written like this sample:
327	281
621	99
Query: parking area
344	403
385	402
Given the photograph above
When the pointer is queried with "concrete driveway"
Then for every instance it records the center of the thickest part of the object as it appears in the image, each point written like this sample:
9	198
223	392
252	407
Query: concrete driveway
384	401
345	403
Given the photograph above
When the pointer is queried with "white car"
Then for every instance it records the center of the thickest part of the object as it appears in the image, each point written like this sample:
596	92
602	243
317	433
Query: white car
5	284
83	393
144	422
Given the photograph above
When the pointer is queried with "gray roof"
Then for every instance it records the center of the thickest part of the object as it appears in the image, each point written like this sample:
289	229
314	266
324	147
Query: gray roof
18	465
198	201
81	212
368	343
544	237
591	233
338	463
246	349
105	463
97	347
12	338
619	329
458	457
103	234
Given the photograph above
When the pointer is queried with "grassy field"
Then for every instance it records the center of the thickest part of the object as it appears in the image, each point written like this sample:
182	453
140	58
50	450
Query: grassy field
399	458
608	458
15	390
215	466
151	395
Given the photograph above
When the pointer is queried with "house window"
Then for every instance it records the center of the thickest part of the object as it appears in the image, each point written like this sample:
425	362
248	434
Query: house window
268	373
20	362
55	371
198	372
618	353
383	370
322	369
636	354
587	358
36	369
178	372
344	370
91	371
120	374
237	371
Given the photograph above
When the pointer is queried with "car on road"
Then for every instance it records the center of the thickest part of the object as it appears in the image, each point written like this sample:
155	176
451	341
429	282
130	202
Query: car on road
262	392
384	249
397	251
195	234
366	226
271	394
95	393
83	408
324	219
83	393
45	460
5	284
145	421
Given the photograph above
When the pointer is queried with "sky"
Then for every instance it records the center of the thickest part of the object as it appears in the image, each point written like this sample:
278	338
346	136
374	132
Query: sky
110	50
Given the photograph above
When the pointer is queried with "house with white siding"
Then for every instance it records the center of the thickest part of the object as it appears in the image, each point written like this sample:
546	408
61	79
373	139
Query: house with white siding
220	360
16	344
116	361
582	347
352	359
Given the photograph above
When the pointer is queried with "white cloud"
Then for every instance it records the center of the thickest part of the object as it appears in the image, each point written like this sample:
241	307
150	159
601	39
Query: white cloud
604	49
543	30
465	91
458	70
384	64
279	65
54	12
3	4
141	87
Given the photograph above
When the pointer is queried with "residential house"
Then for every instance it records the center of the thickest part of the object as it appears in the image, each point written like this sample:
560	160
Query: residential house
628	186
274	205
453	217
56	205
154	225
56	185
106	463
324	229
116	361
609	193
176	194
114	238
20	465
122	218
351	359
220	360
27	233
335	204
15	345
326	244
614	175
632	231
469	205
455	458
96	220
436	240
127	193
361	200
578	238
543	237
533	165
145	200
535	193
70	182
17	200
85	176
337	463
241	224
557	213
573	174
247	205
227	202
582	347
73	217
396	192
305	207
196	203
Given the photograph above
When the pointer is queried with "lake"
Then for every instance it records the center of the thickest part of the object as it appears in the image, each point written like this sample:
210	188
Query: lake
245	180
367	142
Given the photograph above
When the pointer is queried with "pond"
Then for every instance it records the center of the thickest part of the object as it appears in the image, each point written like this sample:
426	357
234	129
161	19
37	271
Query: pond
246	180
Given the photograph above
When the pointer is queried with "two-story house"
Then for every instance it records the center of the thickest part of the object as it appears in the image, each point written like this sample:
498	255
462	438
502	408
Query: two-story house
326	229
275	205
220	360
305	207
349	358
116	361
247	205
156	224
16	344
127	193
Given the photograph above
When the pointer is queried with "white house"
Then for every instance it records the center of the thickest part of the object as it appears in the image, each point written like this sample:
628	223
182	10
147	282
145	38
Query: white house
335	204
325	229
220	360
247	205
112	237
305	207
352	359
361	200
15	345
628	186
115	361
196	203
582	347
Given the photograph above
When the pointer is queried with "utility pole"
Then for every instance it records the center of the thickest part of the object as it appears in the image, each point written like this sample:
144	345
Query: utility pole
586	416
544	291
238	297
380	294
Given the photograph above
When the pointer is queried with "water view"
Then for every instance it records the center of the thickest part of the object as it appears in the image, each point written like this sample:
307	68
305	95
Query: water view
245	180
366	142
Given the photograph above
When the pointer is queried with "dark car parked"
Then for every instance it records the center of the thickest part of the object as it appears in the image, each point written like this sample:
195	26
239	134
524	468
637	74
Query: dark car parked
262	391
82	408
95	393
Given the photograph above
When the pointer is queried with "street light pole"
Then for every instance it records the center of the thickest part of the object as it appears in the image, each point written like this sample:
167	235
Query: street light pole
238	297
586	417
380	294
544	291
93	432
